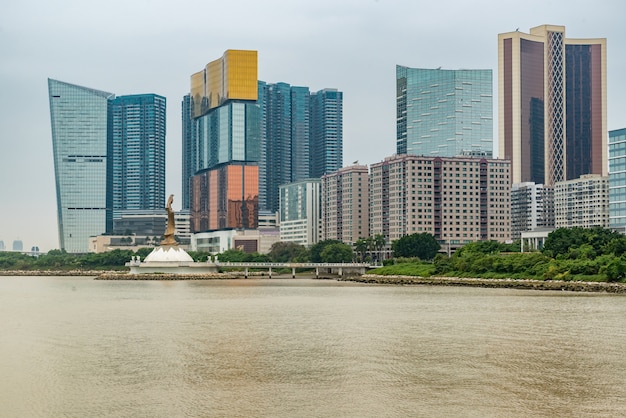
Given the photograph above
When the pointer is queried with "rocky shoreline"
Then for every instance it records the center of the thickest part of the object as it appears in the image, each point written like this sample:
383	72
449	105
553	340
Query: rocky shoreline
573	286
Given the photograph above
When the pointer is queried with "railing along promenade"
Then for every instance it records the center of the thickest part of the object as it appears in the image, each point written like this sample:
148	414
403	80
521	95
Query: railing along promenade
339	268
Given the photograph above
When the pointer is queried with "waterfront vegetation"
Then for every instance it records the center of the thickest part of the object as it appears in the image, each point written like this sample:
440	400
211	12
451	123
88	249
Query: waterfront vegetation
574	254
570	254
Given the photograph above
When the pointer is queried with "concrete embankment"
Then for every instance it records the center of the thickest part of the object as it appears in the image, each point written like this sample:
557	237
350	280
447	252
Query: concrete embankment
163	276
494	283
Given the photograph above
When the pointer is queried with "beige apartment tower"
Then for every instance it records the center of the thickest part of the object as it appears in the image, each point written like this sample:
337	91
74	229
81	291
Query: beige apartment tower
458	199
345	211
552	105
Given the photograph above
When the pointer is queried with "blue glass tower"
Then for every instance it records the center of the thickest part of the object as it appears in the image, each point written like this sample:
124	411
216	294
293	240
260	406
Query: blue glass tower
284	139
326	138
137	152
444	113
617	178
78	117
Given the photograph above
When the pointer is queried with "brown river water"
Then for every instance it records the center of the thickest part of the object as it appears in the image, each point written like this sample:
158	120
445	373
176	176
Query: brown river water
78	347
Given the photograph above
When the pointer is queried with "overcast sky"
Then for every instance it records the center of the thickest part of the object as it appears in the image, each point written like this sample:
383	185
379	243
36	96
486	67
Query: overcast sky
143	46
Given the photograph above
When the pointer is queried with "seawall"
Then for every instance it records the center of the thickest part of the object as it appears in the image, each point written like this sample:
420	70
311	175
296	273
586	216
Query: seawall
493	283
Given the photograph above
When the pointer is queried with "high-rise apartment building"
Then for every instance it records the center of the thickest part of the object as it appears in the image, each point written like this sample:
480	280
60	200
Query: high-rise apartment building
300	212
345	209
137	153
582	202
552	105
79	118
532	207
301	137
444	113
617	178
326	141
457	199
285	135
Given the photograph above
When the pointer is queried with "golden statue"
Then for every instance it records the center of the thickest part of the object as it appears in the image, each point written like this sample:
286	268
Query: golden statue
168	236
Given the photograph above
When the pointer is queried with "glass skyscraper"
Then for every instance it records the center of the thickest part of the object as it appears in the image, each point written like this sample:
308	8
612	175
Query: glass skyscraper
552	105
79	142
444	113
291	133
326	140
285	136
221	130
137	152
617	178
109	156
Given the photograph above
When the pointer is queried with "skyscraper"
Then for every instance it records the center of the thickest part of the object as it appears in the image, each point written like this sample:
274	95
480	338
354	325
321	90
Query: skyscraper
326	143
79	143
617	178
444	113
137	150
221	135
109	156
552	105
284	139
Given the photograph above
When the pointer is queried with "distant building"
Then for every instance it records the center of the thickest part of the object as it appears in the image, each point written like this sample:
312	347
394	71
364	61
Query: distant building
617	178
532	207
457	200
444	113
552	105
1	245
582	202
18	245
300	212
247	240
345	210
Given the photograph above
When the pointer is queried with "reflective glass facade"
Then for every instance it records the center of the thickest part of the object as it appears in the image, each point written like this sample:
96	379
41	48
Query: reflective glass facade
444	112
617	178
137	152
231	77
326	124
227	133
78	118
225	197
284	139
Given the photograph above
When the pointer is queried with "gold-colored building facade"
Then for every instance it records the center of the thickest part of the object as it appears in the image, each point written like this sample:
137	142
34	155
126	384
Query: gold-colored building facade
234	76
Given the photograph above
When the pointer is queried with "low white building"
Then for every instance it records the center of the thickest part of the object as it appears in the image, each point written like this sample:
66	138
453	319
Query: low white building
582	202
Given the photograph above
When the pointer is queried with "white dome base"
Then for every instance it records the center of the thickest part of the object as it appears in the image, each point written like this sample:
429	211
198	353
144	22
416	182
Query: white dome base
168	254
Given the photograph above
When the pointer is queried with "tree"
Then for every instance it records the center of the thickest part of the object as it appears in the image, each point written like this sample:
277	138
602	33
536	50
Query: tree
360	246
316	249
421	245
379	244
283	252
337	253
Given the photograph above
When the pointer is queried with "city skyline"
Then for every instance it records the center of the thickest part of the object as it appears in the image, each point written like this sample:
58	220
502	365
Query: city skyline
353	49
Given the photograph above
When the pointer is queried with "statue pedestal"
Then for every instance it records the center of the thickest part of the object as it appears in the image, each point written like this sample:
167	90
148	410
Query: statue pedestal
170	259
